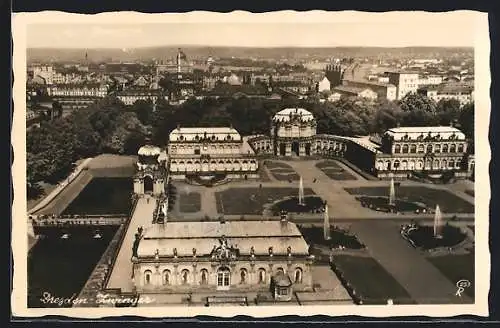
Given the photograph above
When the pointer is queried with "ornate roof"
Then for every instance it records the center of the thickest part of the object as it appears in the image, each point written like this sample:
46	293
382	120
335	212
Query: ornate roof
149	150
287	114
247	237
413	132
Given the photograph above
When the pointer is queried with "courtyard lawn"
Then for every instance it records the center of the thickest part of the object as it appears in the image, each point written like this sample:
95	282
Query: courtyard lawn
448	202
275	165
103	196
315	236
338	175
456	267
190	203
334	171
370	280
251	201
328	164
282	171
286	176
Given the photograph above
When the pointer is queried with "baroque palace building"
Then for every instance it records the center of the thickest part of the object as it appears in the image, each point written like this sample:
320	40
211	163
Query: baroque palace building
151	171
400	152
207	151
217	258
293	134
433	149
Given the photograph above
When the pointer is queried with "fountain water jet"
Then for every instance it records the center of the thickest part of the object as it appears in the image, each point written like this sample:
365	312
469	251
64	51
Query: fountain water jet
301	192
392	194
326	224
438	223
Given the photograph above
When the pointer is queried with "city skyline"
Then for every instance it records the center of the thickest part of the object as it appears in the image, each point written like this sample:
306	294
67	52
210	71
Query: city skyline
419	30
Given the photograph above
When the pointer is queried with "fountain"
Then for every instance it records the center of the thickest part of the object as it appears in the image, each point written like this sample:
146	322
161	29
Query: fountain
326	224
438	223
301	192
164	208
392	194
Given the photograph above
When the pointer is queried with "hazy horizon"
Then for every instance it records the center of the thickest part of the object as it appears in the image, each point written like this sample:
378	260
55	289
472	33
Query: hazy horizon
409	30
250	47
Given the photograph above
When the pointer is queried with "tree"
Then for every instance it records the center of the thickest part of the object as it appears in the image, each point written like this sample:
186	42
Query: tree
144	110
57	109
133	142
448	110
466	120
415	101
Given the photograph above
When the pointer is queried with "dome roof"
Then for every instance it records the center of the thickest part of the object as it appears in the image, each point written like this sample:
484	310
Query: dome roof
149	150
286	114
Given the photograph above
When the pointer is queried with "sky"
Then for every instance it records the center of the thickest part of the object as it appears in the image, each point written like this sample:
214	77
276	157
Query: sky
410	29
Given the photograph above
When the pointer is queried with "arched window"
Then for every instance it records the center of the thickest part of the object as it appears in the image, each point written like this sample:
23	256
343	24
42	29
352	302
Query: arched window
397	149
204	276
445	148
298	276
147	277
435	166
461	148
280	271
437	148
453	148
429	148
223	277
396	164
405	148
444	164
420	148
166	277
413	149
185	276
262	276
451	164
243	276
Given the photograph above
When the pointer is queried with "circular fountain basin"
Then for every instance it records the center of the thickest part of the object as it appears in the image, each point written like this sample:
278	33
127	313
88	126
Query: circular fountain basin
291	205
423	237
381	204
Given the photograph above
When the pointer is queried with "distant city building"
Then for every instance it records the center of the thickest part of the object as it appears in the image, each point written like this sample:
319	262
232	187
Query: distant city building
405	83
130	96
324	85
462	92
93	90
292	86
383	90
351	91
45	72
207	151
430	80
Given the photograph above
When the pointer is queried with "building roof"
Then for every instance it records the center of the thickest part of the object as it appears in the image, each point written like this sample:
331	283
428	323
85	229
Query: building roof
286	114
204	236
213	133
149	150
350	89
415	131
369	83
282	280
401	72
450	88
